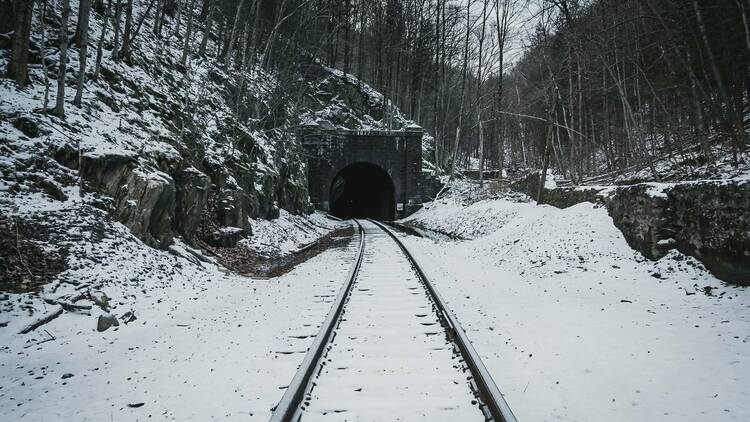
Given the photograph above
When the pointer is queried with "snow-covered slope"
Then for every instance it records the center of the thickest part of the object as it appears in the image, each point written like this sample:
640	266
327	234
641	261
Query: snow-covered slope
203	151
575	325
193	342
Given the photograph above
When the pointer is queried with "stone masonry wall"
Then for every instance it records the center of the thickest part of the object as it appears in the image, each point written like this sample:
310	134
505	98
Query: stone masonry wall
399	153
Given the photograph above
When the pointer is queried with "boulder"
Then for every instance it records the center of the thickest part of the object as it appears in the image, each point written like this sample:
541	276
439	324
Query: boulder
643	218
227	237
27	125
104	173
105	321
66	155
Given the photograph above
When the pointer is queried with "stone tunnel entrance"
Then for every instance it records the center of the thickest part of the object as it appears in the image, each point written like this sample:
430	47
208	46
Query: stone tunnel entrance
362	190
372	173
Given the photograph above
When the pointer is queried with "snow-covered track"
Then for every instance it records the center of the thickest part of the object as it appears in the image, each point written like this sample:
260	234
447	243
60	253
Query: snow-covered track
287	407
390	348
491	396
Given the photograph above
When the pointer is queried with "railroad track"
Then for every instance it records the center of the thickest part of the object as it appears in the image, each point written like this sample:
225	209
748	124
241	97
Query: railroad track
390	349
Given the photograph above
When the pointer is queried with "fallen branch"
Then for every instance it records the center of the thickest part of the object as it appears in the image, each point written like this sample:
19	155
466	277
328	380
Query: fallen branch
70	307
43	320
50	338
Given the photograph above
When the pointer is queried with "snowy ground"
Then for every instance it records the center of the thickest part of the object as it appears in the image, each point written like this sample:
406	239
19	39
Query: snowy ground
204	345
574	325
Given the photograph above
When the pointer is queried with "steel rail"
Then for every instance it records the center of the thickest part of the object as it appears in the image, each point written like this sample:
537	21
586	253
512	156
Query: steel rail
290	402
488	392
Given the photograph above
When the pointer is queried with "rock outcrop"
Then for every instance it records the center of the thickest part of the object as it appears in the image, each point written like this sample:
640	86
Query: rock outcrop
192	187
708	220
143	198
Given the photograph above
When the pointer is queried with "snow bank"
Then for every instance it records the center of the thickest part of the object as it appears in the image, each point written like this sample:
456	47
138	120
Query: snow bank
188	333
288	233
463	214
575	325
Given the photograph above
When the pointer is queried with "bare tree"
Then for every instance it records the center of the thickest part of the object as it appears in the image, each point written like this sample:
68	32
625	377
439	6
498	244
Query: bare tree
19	58
233	36
207	29
126	37
478	100
188	34
116	26
43	54
503	16
464	72
62	67
84	7
100	44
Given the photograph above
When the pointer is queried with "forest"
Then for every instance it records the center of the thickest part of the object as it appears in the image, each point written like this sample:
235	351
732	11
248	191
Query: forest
371	210
584	87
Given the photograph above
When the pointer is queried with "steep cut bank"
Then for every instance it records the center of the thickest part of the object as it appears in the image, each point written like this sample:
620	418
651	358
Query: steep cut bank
706	219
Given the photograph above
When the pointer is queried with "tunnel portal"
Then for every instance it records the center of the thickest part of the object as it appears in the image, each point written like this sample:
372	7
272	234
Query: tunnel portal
372	173
362	190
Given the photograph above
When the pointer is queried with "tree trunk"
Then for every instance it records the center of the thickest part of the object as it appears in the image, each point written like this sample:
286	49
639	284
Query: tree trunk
347	36
137	30
126	38
233	37
7	8
255	38
481	151
100	45
463	92
116	25
207	30
188	34
83	20
84	7
480	79
62	67
502	21
545	158
436	95
205	9
361	44
45	103
18	66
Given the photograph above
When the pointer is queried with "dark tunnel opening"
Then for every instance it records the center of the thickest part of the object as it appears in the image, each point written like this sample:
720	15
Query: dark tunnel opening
362	190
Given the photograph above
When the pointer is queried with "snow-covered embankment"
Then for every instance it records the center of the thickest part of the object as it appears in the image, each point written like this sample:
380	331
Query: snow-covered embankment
575	325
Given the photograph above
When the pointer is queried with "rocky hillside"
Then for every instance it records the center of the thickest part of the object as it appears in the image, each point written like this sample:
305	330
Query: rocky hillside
197	151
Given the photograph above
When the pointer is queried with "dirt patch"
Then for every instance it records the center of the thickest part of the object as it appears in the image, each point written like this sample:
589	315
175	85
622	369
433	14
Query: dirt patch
247	262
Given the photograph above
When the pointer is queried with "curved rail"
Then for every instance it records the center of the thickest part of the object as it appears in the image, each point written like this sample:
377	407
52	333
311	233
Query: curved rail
488	392
295	392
